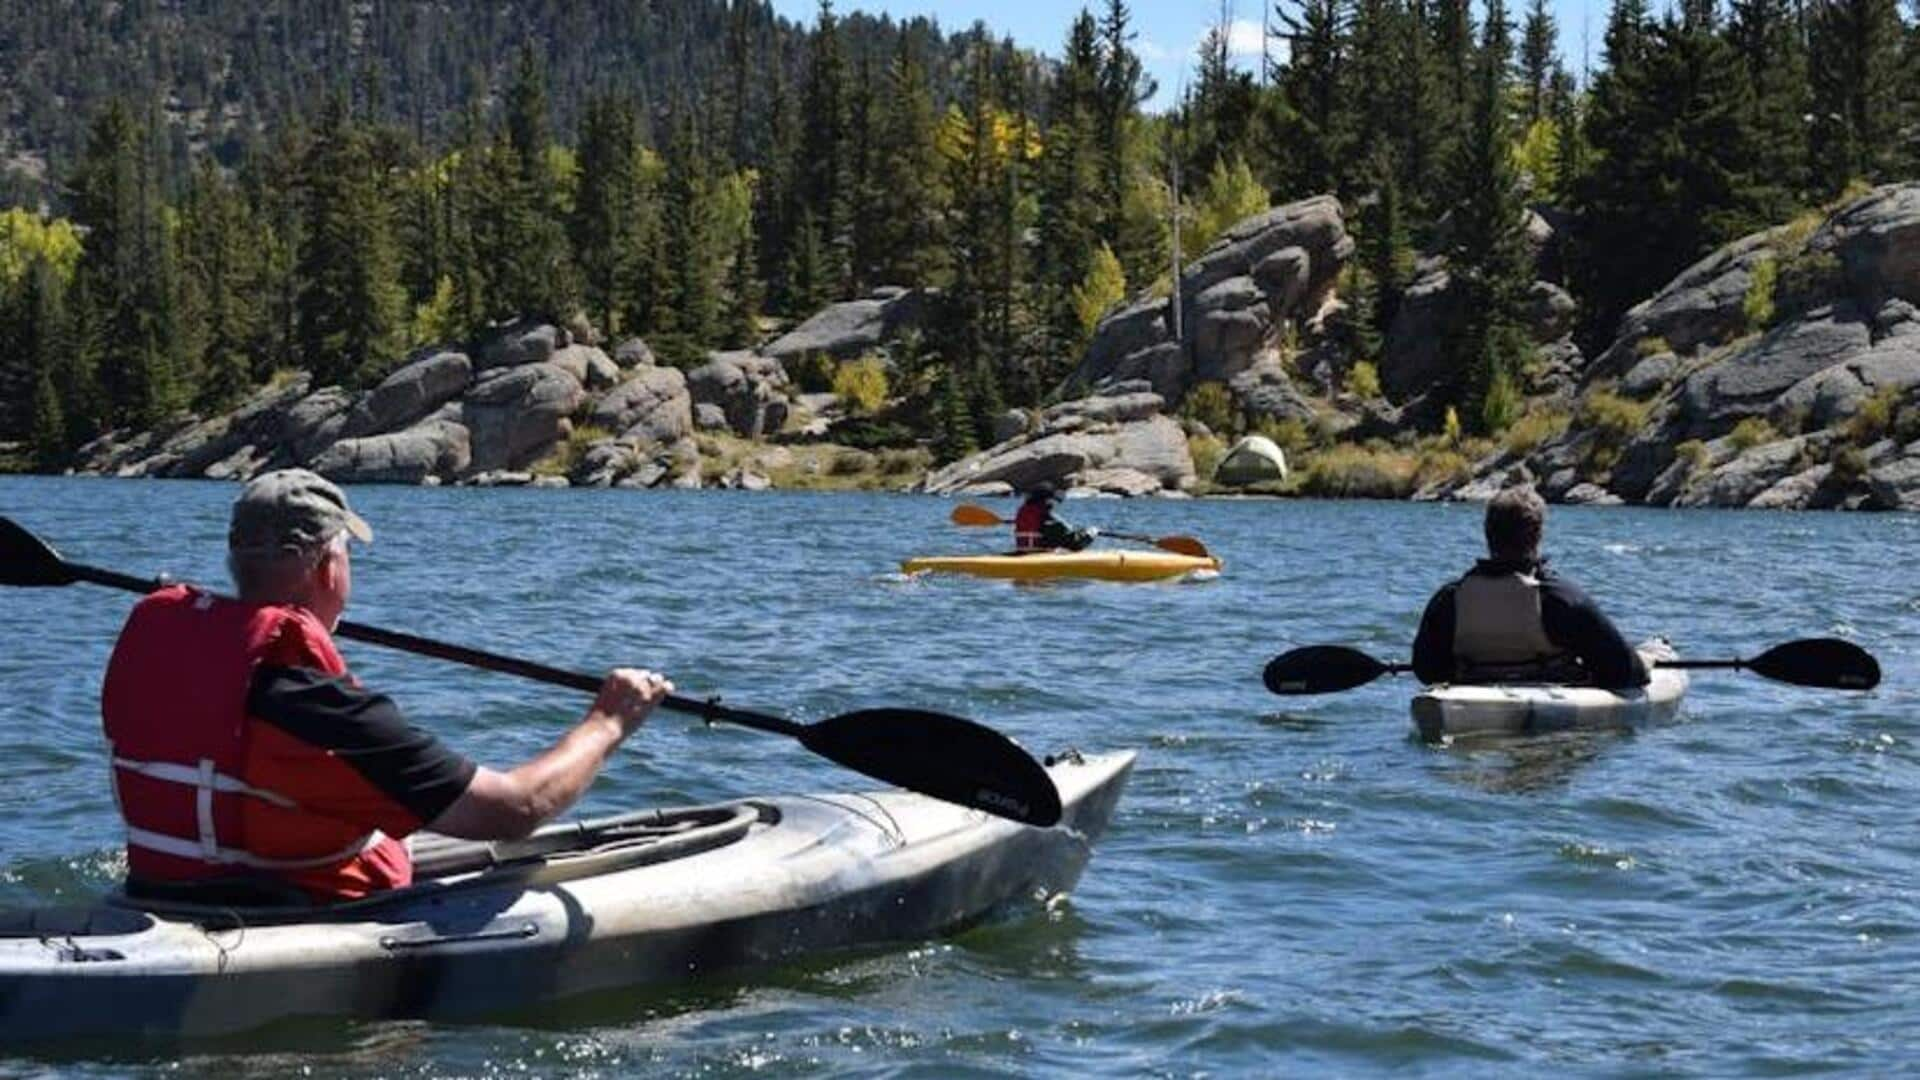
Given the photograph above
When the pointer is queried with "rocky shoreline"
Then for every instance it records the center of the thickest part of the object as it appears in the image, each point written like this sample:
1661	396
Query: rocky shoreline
1781	372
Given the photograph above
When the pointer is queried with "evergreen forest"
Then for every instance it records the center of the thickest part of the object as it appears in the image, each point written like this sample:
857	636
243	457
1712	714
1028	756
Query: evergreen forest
199	195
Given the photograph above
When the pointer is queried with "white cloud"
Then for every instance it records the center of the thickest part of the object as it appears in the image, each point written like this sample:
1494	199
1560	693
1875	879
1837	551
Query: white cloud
1150	50
1243	42
1243	37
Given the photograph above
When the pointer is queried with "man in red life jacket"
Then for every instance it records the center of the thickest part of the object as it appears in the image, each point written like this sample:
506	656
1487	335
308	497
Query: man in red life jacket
1035	528
248	764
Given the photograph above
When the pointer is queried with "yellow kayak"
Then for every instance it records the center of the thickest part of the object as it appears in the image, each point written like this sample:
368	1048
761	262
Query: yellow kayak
1040	566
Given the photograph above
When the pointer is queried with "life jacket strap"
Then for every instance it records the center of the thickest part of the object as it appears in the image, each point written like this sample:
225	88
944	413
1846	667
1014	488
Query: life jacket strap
207	780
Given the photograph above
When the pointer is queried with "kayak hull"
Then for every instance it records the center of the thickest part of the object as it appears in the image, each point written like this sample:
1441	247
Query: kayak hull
802	874
1457	711
1050	565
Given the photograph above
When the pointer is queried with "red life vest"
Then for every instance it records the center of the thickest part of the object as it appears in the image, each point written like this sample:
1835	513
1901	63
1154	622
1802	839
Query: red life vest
1028	524
195	776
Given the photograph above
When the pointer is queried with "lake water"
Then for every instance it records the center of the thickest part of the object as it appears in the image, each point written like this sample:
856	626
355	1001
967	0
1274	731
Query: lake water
1291	885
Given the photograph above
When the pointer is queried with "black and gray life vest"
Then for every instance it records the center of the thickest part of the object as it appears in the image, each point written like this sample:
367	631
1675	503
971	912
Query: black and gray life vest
1498	628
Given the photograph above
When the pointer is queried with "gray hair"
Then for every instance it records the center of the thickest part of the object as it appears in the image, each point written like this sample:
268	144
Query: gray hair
273	574
1515	519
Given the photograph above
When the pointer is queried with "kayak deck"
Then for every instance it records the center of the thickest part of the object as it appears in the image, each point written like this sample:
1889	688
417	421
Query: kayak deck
641	899
1042	565
1457	710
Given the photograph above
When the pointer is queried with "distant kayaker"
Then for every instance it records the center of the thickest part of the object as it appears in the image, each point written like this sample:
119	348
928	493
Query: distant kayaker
1511	618
1035	528
250	767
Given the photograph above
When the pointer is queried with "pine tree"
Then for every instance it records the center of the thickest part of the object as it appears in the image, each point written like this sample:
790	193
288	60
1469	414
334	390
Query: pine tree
911	200
1537	43
526	243
1069	225
220	265
606	225
1224	107
821	170
1486	248
1766	36
1426	126
1311	140
1570	140
1384	247
863	178
690	318
1611	196
1376	87
1123	86
126	273
349	303
1854	57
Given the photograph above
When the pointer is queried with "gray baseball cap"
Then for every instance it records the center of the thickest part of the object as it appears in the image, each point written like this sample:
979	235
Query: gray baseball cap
291	510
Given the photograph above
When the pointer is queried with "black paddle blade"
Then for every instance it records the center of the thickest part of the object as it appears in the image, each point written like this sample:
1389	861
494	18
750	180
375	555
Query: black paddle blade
1321	669
951	759
1828	663
25	559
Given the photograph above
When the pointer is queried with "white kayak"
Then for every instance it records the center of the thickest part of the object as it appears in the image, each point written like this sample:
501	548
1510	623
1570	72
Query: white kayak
1455	710
649	897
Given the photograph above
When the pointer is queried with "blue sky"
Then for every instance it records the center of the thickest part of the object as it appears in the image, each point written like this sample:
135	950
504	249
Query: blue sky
1169	29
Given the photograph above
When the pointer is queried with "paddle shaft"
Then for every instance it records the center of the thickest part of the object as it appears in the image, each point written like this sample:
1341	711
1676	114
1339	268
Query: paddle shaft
710	711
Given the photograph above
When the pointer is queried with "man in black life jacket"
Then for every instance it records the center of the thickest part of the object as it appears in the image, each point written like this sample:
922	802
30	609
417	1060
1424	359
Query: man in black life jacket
1035	528
1512	619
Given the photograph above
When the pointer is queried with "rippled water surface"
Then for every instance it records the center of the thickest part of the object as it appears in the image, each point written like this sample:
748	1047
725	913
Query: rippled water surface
1290	885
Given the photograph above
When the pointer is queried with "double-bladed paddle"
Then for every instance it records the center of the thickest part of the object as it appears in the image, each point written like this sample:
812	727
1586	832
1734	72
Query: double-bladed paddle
947	757
1825	663
972	515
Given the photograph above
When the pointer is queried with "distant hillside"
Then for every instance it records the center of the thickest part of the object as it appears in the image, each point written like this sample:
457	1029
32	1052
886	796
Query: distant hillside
220	72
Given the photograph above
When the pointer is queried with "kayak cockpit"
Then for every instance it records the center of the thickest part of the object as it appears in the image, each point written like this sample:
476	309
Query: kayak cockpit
564	851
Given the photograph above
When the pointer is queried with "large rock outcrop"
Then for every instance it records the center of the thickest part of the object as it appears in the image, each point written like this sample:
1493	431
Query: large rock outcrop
749	389
1271	270
1117	443
853	327
1806	410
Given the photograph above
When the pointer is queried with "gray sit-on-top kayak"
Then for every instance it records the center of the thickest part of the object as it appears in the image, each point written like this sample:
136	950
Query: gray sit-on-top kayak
642	898
1457	710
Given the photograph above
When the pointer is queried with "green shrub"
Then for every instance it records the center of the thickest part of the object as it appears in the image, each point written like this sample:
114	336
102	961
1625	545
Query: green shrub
1104	286
1874	421
1357	472
1758	303
1693	452
1534	428
850	463
1502	404
861	385
1363	381
1651	346
1612	417
1751	432
1614	421
814	373
1206	452
1229	195
1442	465
563	457
1211	404
1450	427
904	462
1849	464
1805	281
